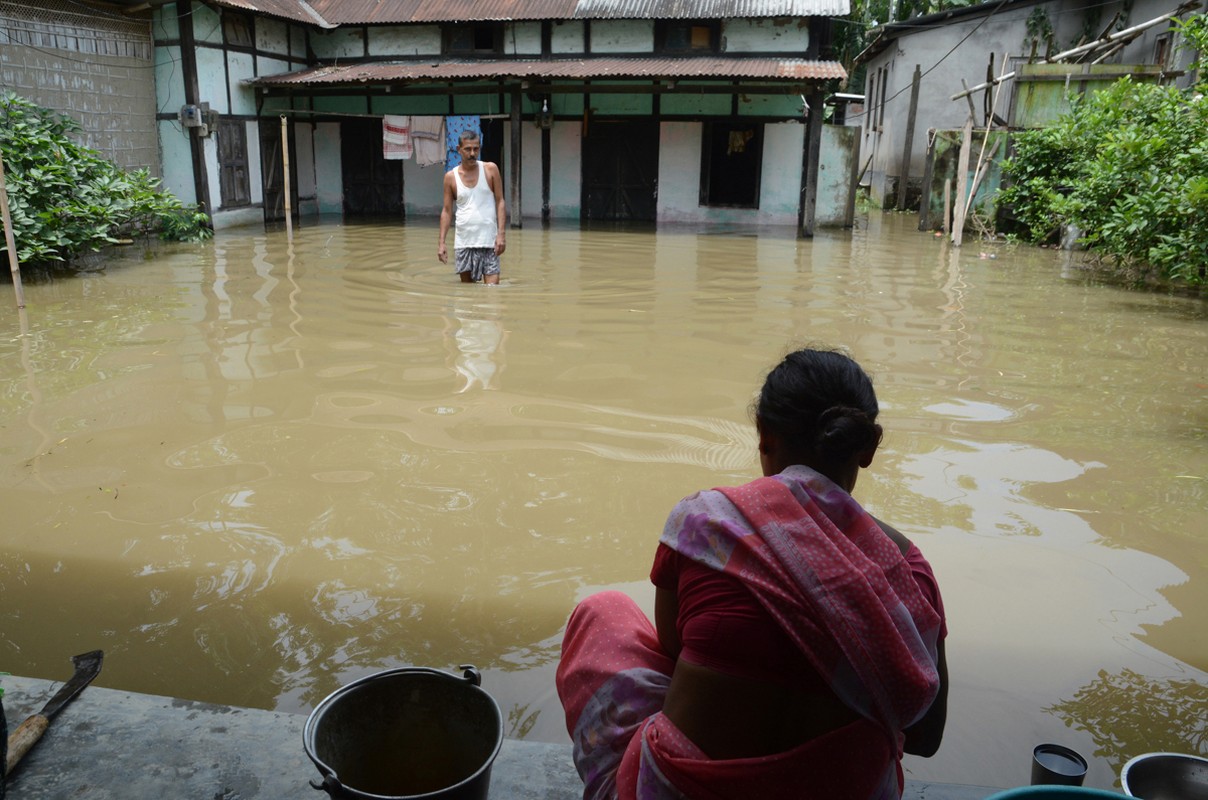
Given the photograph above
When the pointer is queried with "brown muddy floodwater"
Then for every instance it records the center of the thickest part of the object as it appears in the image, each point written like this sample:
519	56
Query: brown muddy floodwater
252	472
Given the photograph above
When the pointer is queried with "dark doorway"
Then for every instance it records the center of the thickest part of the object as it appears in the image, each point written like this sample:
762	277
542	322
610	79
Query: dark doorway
270	165
373	186
492	143
620	171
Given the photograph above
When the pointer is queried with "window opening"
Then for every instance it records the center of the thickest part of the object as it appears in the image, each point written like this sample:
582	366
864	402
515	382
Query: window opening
731	164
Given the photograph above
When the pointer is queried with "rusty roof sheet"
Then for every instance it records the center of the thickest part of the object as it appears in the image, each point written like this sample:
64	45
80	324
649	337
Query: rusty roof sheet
292	10
441	71
332	13
707	9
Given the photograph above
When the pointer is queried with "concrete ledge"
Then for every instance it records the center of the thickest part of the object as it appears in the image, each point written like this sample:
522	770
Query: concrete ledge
112	745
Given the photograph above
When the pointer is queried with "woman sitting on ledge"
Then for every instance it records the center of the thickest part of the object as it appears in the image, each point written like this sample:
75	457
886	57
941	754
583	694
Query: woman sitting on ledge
799	642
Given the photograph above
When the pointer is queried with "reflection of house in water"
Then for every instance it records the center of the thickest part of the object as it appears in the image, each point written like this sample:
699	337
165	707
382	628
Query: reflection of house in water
479	346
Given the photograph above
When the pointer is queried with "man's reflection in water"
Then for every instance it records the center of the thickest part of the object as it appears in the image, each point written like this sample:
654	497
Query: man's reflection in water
479	337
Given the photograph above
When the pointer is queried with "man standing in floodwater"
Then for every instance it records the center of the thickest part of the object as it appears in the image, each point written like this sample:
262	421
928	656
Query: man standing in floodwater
476	188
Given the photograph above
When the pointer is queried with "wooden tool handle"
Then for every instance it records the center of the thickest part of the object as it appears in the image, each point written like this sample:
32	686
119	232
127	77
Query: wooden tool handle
23	738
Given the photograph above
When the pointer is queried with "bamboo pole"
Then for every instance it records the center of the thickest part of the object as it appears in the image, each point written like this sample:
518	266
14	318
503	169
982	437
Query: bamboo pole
10	240
981	156
289	212
962	182
947	205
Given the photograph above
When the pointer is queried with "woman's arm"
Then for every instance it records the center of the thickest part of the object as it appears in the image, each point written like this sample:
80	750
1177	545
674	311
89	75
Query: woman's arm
666	611
923	737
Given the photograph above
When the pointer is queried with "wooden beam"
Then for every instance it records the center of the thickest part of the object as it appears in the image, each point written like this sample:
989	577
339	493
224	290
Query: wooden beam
904	169
808	211
188	68
514	171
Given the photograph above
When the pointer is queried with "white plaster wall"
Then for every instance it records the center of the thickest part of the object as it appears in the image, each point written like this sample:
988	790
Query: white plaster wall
271	66
237	217
328	168
422	189
409	40
679	177
209	150
176	161
522	39
211	79
207	24
298	37
565	185
530	174
304	153
679	172
255	175
169	82
272	36
243	97
164	24
622	36
338	43
566	165
756	35
780	182
567	37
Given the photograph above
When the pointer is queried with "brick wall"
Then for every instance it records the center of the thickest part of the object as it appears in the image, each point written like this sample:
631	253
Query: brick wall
93	66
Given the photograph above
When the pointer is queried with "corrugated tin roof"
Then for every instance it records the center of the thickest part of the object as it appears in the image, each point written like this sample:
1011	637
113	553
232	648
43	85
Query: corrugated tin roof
352	12
331	13
707	9
286	9
440	71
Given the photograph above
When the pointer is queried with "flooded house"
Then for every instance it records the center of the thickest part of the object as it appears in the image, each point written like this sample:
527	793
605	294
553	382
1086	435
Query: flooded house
635	110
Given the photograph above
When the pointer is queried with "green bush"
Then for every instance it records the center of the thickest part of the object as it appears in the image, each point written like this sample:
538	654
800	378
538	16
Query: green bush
66	199
1128	166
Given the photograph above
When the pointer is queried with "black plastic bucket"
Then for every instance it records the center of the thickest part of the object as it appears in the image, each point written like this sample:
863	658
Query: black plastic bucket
406	733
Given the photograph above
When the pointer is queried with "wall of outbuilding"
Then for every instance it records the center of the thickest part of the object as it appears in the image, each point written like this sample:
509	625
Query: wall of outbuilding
96	69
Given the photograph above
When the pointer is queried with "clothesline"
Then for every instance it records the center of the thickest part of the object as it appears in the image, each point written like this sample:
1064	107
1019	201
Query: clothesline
376	116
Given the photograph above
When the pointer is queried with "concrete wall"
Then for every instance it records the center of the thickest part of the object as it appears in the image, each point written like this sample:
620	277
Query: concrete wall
92	68
679	177
765	35
836	167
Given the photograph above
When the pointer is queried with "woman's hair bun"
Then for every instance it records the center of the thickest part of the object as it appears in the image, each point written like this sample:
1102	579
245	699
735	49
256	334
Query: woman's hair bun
843	430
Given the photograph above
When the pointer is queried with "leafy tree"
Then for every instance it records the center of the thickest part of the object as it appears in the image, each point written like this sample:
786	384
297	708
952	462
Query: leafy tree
65	199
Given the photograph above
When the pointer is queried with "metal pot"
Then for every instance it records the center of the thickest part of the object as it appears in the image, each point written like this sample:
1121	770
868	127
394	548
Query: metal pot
1166	776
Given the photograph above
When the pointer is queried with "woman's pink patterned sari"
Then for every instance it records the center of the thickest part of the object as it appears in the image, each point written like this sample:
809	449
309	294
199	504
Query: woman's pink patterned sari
839	587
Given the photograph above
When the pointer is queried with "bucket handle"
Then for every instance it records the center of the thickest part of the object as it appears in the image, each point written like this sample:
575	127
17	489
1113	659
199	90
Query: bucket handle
471	674
331	784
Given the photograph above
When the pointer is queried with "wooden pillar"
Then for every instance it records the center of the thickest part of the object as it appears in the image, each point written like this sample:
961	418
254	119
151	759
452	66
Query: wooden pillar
808	211
188	68
853	188
928	176
908	146
515	170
